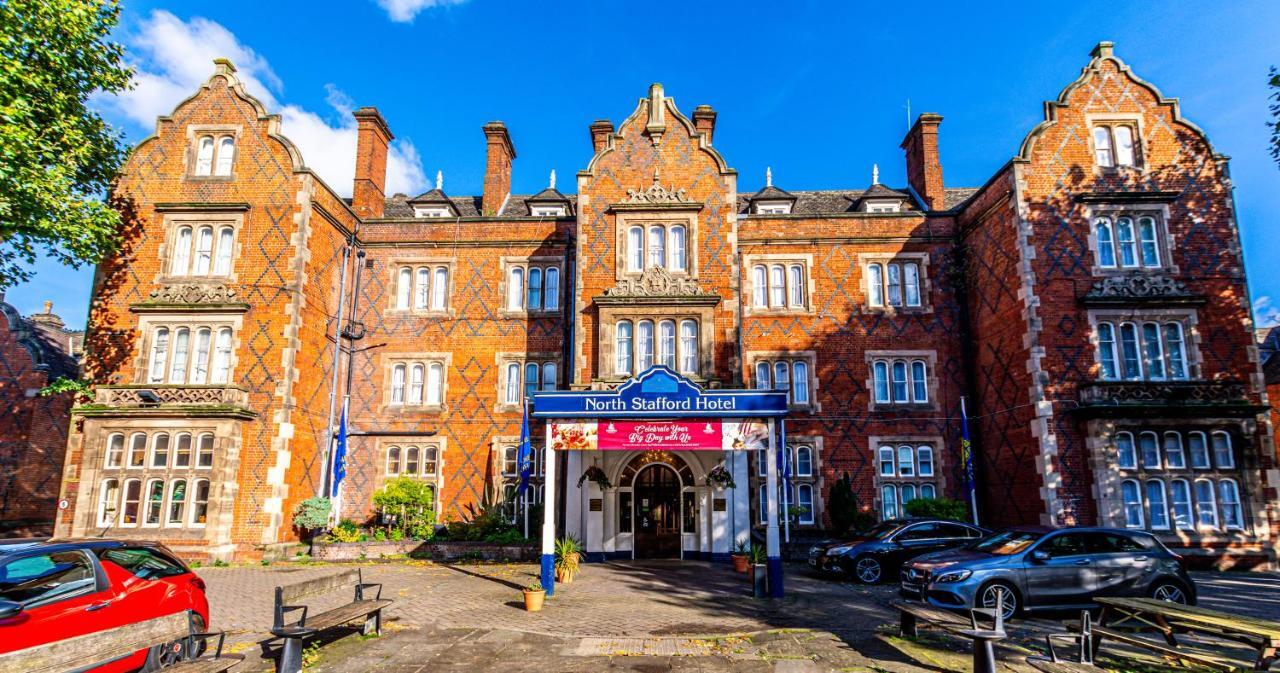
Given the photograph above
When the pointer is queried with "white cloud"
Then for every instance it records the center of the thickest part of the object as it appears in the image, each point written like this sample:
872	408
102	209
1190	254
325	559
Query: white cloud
404	11
1265	312
174	57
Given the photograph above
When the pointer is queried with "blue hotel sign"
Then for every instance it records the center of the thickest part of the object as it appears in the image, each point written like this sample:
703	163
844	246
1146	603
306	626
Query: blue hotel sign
659	392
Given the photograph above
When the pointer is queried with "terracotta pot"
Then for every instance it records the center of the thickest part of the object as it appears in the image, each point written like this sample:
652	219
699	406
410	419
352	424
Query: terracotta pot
533	600
563	576
741	563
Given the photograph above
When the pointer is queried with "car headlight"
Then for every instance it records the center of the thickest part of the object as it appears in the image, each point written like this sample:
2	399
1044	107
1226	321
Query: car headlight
953	576
838	551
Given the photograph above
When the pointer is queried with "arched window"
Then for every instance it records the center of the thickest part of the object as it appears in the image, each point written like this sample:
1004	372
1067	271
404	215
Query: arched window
422	290
108	502
200	503
416	375
1147	241
1198	447
1174	456
881	380
411	461
159	355
804	499
115	451
222	356
200	367
440	288
928	491
688	347
906	461
182	450
887	467
1177	354
1102	147
551	298
800	382
796	281
226	154
678	261
635	249
1126	456
515	289
204	251
777	286
1157	505
429	460
759	285
1106	242
1229	500
154	507
132	501
764	503
177	502
644	346
900	393
1153	351
667	344
895	285
1206	505
1124	145
204	156
393	461
138	450
204	451
512	395
549	376
404	287
1149	450
532	374
1129	351
764	375
911	284
657	246
1222	455
535	289
181	252
1180	503
919	382
226	246
397	384
160	450
435	384
1127	243
875	285
889	501
1107	350
804	462
924	456
181	342
1131	496
781	376
907	494
622	347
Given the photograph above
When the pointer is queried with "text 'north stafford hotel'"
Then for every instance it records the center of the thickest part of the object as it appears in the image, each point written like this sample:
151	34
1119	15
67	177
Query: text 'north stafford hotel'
1089	302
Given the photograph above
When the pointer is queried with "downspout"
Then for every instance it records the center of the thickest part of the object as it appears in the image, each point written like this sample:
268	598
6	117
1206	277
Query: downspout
351	354
333	381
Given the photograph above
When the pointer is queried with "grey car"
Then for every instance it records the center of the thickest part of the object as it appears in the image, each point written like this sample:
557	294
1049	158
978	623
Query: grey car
1036	568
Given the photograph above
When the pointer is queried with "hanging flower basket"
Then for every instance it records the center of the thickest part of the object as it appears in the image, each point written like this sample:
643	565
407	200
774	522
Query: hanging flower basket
596	475
720	477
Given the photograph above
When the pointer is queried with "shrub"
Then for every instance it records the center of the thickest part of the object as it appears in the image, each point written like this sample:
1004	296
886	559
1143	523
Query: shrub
347	531
410	504
487	524
312	514
842	505
938	508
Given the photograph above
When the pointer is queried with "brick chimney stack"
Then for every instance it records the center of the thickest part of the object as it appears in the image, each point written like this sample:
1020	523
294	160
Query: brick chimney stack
704	120
601	129
497	168
372	138
924	168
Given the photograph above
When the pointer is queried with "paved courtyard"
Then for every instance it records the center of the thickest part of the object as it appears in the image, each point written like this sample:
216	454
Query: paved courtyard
651	616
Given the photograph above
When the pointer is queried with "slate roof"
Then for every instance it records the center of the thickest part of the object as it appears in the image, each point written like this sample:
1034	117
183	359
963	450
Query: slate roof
50	343
771	193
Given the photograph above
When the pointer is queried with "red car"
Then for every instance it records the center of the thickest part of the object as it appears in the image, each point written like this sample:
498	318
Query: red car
50	591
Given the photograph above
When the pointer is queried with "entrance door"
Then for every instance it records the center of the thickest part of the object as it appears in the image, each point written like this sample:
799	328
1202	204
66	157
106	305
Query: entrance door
657	503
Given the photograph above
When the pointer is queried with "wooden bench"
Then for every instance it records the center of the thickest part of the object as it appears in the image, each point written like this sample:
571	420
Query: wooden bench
984	661
1173	618
1082	639
307	626
87	652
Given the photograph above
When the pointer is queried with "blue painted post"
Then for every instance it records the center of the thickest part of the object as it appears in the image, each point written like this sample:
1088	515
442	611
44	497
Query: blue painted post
549	516
772	548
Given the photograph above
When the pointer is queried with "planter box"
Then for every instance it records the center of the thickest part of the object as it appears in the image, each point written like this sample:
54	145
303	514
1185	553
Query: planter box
438	551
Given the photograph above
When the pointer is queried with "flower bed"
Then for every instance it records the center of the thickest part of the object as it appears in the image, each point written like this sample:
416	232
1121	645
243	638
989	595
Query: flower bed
436	550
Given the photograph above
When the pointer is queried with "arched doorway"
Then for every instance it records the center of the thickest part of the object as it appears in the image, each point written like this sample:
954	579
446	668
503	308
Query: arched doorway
657	512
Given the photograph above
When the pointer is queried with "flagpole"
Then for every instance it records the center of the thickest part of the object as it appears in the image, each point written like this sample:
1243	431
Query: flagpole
967	457
786	483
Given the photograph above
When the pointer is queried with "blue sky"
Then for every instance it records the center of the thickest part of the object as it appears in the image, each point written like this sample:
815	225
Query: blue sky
815	90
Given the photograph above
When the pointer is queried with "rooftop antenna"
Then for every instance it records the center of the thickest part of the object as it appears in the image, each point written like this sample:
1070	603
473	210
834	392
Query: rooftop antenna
440	180
768	176
875	174
553	179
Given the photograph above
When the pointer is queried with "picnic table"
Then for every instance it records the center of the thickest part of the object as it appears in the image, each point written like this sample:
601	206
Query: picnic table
1172	618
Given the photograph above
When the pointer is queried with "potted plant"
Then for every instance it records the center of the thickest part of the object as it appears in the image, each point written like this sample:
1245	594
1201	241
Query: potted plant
534	594
568	553
720	478
759	570
741	557
597	476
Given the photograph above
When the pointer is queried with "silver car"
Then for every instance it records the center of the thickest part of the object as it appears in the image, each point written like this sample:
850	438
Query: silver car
1036	568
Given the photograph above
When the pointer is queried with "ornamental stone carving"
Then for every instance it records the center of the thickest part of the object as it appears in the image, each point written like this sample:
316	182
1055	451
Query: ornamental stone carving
656	194
193	293
657	282
1138	286
167	395
1162	393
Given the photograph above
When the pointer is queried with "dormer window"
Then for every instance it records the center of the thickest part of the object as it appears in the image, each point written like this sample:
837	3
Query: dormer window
782	208
884	207
431	211
214	155
548	211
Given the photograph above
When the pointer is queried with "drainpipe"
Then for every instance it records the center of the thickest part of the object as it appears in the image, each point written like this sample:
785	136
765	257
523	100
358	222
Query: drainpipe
571	313
333	382
351	353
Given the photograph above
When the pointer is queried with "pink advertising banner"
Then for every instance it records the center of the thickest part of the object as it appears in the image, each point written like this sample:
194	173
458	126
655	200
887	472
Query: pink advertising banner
692	435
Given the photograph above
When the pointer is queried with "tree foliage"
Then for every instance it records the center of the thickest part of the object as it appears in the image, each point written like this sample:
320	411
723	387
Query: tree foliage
938	508
842	506
57	156
409	503
1275	114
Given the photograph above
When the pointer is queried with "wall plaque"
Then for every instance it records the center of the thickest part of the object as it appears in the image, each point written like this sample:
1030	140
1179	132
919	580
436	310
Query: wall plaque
596	505
718	505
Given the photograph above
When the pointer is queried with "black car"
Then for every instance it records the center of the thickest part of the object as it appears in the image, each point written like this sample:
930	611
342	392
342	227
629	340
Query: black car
879	552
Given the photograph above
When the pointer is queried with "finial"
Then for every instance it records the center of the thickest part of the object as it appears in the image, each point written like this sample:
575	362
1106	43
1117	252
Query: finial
655	176
48	306
553	179
875	174
439	179
768	176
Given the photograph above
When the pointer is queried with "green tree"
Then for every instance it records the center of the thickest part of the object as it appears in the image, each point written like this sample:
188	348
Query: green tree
57	157
1275	114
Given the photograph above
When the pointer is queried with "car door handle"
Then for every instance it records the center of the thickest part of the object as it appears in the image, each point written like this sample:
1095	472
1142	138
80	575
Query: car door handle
1083	562
97	606
1140	559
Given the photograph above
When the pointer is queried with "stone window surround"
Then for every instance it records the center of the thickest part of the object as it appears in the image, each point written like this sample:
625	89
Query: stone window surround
748	292
1190	336
624	220
1113	210
390	360
194	131
396	263
148	323
171	223
507	262
816	441
810	357
222	477
931	363
1100	443
439	443
504	358
1132	119
939	478
610	315
926	285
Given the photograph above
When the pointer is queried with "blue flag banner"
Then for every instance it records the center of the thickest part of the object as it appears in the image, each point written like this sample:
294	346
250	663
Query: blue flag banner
340	452
966	460
524	455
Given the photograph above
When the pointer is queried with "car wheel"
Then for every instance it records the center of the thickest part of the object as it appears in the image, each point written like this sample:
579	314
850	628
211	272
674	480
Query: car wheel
1169	591
1005	594
172	653
867	569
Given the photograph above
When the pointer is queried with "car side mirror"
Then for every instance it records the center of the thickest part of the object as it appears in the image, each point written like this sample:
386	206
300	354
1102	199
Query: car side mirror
9	609
1040	556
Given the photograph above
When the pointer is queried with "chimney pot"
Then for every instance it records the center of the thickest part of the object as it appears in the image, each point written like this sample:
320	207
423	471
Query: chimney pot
499	154
373	136
601	129
924	166
704	121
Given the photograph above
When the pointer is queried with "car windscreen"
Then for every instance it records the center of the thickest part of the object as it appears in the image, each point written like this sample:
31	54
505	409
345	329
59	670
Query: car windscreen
881	530
1006	543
